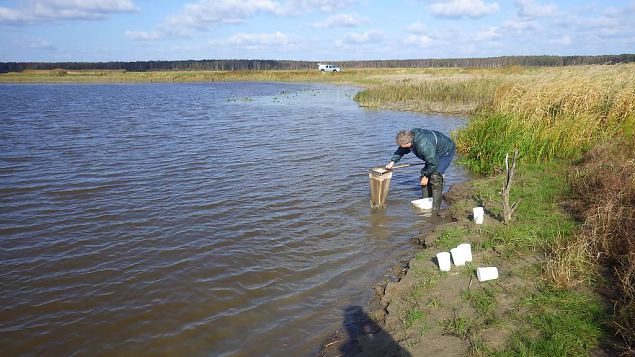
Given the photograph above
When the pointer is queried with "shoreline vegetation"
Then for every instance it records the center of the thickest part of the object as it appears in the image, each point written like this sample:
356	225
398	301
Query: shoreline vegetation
567	259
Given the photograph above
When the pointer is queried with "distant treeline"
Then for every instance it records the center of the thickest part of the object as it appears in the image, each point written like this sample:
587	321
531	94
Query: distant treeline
245	65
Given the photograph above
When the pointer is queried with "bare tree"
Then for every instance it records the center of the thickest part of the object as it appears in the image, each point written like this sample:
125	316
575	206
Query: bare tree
507	209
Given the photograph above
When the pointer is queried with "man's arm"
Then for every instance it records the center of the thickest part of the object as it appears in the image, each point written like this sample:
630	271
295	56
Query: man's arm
397	155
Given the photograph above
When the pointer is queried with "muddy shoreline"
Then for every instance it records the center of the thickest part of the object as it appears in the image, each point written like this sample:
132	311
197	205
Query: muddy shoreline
364	331
419	311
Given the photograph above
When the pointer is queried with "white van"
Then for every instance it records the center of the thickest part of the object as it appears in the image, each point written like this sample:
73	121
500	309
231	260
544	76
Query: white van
328	68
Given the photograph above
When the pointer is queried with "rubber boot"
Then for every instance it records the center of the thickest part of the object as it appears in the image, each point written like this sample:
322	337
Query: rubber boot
436	181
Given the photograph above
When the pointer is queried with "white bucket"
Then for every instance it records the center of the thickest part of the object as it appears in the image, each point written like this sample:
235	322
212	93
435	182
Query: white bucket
458	256
467	251
478	215
443	259
424	203
486	273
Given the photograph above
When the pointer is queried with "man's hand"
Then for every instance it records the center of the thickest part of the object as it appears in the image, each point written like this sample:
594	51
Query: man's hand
424	181
390	165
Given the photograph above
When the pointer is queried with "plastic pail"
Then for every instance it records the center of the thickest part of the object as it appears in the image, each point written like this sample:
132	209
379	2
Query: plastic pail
443	259
478	215
467	251
424	203
458	256
486	273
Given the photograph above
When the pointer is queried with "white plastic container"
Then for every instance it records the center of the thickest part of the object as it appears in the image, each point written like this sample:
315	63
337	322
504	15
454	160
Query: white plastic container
458	256
486	273
443	259
467	251
478	215
424	203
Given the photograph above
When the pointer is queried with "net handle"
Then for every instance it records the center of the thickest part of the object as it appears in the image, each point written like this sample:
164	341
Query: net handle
407	165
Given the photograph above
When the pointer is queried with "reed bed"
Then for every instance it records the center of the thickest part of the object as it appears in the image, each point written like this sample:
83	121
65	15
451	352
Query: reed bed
61	76
431	94
555	114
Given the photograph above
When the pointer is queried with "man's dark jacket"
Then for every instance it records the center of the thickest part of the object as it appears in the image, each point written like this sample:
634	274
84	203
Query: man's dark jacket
429	146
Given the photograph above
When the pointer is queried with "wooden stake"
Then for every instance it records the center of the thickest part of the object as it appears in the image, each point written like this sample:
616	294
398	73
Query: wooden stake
507	209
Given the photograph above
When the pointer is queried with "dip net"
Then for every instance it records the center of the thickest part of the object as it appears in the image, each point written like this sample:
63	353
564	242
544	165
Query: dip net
379	185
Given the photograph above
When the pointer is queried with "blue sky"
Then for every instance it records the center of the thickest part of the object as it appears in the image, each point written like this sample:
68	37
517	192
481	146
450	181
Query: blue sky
314	30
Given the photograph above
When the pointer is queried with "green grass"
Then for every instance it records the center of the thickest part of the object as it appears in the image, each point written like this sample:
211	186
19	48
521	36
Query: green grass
412	316
469	270
424	285
488	137
434	302
451	237
555	322
457	326
564	323
539	219
482	300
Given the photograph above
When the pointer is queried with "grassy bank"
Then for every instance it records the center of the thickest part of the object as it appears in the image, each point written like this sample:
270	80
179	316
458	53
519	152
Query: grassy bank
527	311
578	121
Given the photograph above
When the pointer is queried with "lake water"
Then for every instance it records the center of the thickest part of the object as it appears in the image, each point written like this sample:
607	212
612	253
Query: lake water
194	219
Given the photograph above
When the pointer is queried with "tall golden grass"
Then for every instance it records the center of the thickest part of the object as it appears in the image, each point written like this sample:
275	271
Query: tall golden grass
430	95
59	76
554	113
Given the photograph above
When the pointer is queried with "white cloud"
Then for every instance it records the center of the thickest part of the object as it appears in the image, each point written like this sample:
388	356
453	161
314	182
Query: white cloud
36	43
488	34
48	10
530	8
517	24
372	36
419	41
206	14
417	27
461	8
12	16
259	39
304	6
563	41
144	35
613	11
341	20
603	26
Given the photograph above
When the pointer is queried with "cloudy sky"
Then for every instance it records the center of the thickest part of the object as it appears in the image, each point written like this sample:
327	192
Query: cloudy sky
131	30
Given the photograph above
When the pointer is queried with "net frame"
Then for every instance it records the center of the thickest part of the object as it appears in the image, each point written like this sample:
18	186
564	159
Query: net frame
379	179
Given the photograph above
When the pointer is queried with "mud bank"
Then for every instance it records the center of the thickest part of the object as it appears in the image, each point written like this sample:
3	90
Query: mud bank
420	311
382	327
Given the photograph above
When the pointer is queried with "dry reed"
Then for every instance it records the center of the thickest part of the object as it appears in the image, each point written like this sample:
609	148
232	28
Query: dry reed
605	185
